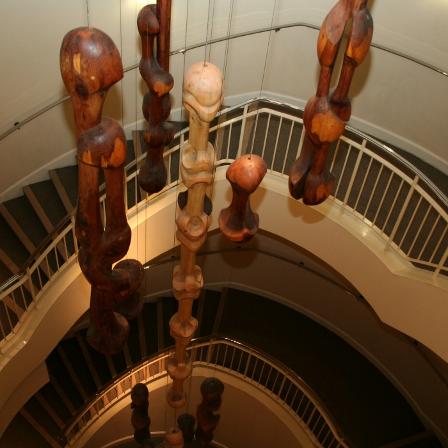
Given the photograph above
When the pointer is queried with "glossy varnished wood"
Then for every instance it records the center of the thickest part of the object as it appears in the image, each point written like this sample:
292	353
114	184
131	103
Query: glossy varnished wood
90	65
238	222
153	24
327	113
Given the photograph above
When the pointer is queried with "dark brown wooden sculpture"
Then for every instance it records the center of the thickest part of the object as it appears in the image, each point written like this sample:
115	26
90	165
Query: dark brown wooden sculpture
326	115
140	419
208	419
154	21
238	222
186	424
90	65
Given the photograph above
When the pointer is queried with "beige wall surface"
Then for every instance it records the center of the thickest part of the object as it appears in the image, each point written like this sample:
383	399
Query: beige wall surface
395	99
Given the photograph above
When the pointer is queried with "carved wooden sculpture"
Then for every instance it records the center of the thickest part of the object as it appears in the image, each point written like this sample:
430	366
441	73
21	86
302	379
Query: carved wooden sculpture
90	65
174	438
140	419
186	424
238	222
326	114
202	97
154	21
208	419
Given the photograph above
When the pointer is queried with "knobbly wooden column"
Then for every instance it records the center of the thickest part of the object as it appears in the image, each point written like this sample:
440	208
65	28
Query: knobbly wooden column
238	222
140	418
202	97
326	114
208	419
153	24
90	65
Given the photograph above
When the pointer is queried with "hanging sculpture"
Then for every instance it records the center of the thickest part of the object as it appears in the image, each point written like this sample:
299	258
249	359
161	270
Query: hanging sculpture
202	96
208	419
90	65
154	22
326	114
186	424
140	419
238	222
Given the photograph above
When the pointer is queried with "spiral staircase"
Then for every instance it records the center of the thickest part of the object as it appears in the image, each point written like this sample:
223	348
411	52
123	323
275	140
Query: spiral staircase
30	223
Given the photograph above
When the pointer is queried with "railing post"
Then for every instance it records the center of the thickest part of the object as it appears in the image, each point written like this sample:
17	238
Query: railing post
243	130
403	209
442	263
355	171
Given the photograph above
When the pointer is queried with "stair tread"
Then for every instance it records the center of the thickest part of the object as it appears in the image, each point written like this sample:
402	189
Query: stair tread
11	244
68	176
26	217
49	200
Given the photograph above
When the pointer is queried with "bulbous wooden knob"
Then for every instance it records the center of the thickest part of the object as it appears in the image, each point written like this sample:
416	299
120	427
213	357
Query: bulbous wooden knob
238	222
174	438
90	61
203	92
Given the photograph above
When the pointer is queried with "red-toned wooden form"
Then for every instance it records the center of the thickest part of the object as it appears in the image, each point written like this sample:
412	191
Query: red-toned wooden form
327	113
154	25
90	65
238	222
211	390
140	418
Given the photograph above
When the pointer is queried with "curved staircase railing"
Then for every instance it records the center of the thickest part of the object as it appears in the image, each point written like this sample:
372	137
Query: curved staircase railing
246	363
375	184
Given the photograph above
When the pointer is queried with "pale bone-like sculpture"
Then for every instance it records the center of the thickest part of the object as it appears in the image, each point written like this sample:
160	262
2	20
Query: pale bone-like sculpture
238	222
202	97
326	113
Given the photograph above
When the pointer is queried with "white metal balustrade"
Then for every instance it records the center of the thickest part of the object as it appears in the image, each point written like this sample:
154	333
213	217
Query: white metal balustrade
377	186
245	363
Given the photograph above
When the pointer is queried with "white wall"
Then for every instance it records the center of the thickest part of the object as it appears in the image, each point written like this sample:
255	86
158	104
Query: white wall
394	99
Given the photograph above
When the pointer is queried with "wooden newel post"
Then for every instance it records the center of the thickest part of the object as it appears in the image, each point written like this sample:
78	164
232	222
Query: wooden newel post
326	114
202	97
90	65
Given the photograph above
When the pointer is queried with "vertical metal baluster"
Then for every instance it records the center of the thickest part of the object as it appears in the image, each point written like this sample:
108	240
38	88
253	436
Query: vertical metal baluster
58	266
232	358
417	234
229	139
436	222
441	265
302	138
354	173
285	157
410	221
254	134
249	356
386	190
65	247
266	135
261	373
442	238
30	284
372	194
48	266
397	194
355	207
276	143
281	386
25	306
243	130
343	171
39	277
338	144
75	241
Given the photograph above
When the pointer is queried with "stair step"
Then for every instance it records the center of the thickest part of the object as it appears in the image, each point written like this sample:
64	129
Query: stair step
49	393
63	195
68	177
46	202
20	433
43	419
13	253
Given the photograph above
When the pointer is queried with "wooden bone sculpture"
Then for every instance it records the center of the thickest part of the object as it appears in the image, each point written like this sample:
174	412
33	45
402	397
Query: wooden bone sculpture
90	65
153	21
202	97
140	418
211	390
326	115
238	222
